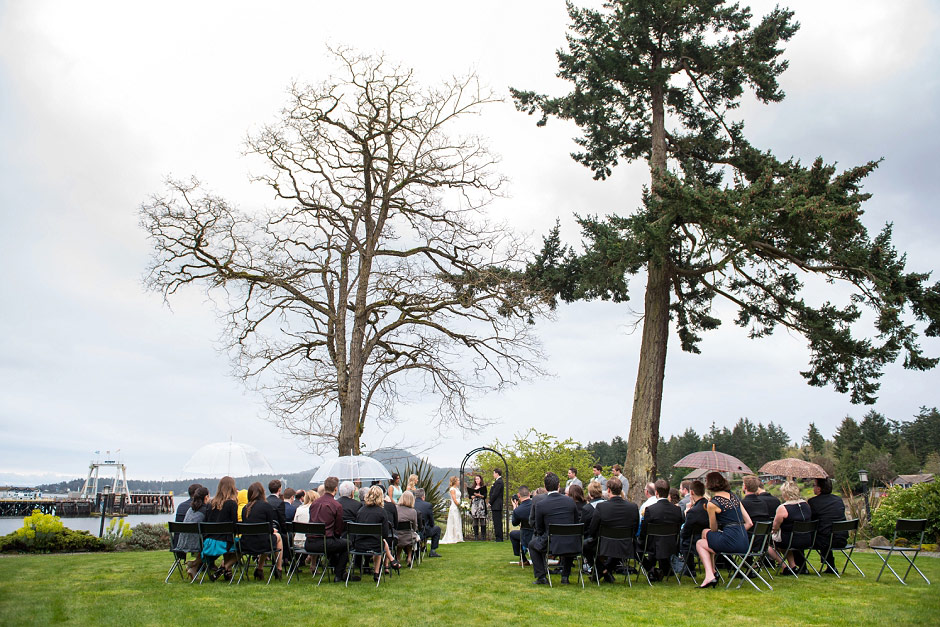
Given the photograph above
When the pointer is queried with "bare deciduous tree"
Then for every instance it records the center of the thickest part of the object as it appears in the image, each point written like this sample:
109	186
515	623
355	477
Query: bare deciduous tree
378	276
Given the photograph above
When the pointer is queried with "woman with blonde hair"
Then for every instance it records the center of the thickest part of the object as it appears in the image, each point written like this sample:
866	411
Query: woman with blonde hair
373	512
302	515
412	483
454	531
407	513
222	508
793	509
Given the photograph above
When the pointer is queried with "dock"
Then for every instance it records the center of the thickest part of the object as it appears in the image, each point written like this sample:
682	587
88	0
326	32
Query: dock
115	505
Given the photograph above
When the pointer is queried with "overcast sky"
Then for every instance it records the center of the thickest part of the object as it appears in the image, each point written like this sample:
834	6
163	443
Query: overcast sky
99	102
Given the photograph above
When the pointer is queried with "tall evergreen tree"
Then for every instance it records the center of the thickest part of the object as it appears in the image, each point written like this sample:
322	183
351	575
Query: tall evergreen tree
815	439
656	81
848	438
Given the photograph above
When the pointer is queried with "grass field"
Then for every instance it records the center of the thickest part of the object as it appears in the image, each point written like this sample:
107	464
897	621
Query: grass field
473	583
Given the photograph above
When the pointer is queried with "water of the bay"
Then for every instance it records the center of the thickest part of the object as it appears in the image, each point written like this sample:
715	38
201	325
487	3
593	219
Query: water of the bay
92	524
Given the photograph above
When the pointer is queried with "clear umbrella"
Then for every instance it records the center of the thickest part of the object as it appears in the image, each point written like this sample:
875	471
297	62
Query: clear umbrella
350	467
226	458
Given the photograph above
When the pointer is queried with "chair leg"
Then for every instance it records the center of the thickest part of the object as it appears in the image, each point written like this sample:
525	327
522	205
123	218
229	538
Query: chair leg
911	562
175	566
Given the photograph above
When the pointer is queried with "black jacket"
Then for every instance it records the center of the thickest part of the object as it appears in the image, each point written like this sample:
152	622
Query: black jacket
278	504
372	514
827	509
392	510
771	501
181	510
425	515
756	508
662	511
696	519
555	509
261	512
587	513
617	512
538	498
350	508
496	494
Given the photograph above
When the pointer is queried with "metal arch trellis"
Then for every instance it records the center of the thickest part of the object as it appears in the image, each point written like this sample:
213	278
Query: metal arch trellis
463	467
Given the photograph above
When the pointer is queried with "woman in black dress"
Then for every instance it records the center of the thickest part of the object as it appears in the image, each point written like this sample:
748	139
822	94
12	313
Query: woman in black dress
793	509
372	512
223	508
259	511
477	494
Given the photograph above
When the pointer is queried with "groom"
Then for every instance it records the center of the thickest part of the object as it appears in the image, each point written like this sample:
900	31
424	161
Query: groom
496	504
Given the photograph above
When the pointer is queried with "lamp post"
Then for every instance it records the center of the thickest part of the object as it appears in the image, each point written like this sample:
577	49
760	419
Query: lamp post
863	479
105	491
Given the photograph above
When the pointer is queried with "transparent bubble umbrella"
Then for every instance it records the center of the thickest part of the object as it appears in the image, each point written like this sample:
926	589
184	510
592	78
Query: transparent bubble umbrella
226	458
350	467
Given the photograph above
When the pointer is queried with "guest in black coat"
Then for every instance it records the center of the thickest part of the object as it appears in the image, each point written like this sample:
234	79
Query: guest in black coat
555	508
771	501
275	501
183	507
519	538
696	521
223	508
496	504
660	548
350	505
827	508
259	511
540	493
391	511
754	505
374	512
595	496
615	512
428	526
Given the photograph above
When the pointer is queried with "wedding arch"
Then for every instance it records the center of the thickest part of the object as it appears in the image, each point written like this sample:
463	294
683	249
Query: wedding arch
463	487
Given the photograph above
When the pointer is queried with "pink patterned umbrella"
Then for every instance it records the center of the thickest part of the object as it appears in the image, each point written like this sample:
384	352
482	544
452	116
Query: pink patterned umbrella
713	460
793	467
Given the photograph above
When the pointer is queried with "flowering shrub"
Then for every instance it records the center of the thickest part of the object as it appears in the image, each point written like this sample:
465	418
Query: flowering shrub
43	533
39	523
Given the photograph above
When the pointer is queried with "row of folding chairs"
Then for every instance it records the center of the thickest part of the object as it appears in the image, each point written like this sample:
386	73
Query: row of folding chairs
752	564
297	555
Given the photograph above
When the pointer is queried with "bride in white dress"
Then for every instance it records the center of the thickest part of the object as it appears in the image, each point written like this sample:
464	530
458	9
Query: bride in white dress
454	531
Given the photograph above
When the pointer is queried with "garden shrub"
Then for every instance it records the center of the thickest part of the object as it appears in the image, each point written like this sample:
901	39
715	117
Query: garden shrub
919	501
149	537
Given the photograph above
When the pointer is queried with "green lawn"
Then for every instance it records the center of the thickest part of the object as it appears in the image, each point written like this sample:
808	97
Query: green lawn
472	583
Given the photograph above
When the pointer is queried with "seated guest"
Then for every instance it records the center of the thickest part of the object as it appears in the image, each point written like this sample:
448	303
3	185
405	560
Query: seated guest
275	501
554	508
427	526
326	510
260	511
289	508
663	547
596	495
674	497
576	493
771	501
189	542
350	505
827	508
392	511
362	492
614	512
756	506
728	523
696	520
298	498
794	509
184	507
302	515
373	512
540	493
521	508
222	508
242	499
650	492
407	513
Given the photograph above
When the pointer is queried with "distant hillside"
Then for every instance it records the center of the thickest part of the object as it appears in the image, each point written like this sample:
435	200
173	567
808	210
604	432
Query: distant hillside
394	460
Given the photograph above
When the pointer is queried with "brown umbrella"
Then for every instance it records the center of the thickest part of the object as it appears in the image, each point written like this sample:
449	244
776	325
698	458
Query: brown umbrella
793	467
713	460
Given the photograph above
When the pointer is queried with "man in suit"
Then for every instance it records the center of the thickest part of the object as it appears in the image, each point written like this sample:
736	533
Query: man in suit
771	501
289	508
521	509
573	479
350	505
617	471
554	509
754	505
827	508
598	477
540	493
185	505
696	520
327	511
274	500
662	548
496	504
684	492
429	529
614	512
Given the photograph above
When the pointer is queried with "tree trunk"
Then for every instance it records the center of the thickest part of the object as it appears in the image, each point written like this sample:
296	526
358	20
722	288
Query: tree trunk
348	439
640	465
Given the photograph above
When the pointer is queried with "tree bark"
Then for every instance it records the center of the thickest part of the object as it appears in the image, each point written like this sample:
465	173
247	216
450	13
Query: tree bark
640	465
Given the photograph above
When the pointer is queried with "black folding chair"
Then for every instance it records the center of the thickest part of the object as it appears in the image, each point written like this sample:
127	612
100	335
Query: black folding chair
904	528
364	530
315	532
744	563
615	534
180	556
405	525
246	556
653	531
206	529
568	530
802	528
843	526
525	534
